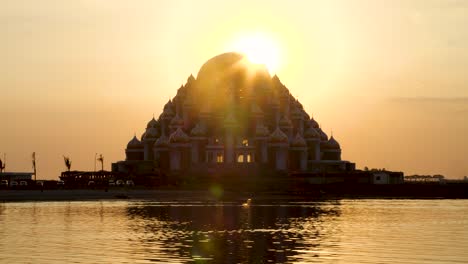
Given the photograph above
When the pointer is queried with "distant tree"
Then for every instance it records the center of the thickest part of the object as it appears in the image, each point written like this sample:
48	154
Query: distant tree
67	162
366	168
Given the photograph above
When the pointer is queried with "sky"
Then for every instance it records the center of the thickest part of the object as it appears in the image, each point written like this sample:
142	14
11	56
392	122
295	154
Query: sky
389	78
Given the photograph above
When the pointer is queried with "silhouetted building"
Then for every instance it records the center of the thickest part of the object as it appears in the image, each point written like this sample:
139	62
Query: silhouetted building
233	116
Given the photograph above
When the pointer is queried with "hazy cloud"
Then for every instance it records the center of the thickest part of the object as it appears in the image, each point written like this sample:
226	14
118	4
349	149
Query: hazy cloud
421	99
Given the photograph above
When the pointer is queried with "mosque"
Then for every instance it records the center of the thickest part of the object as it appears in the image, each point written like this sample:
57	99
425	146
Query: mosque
233	117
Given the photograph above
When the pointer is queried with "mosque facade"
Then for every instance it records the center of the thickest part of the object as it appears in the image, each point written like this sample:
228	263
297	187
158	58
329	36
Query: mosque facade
234	115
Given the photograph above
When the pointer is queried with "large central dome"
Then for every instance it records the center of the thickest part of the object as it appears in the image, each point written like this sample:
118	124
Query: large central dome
227	64
231	74
220	64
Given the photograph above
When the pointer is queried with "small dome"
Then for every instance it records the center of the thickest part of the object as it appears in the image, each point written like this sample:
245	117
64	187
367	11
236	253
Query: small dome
168	114
152	123
299	105
168	105
276	81
313	123
181	91
151	133
278	137
198	131
162	141
323	136
261	130
134	143
311	133
296	113
333	144
285	122
298	141
177	121
190	79
179	136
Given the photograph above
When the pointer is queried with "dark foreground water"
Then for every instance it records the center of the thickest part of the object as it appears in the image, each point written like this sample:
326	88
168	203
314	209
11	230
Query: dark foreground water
345	231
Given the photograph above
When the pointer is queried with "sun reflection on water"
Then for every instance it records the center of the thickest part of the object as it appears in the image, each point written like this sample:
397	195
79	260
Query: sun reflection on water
347	231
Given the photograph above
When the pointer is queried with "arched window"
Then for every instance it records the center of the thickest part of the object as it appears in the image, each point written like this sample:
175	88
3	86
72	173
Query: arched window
249	158
240	158
245	142
219	158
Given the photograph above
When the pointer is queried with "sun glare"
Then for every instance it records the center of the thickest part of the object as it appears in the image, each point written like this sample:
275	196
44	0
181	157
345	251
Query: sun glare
259	49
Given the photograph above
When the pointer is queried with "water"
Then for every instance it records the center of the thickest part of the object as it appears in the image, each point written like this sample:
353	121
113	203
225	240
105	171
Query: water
344	231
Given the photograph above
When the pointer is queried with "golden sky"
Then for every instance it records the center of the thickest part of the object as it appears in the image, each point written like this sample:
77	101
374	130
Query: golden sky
388	77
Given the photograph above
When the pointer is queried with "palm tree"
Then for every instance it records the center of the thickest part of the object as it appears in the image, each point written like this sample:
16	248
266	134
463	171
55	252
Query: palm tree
67	162
101	160
34	164
3	163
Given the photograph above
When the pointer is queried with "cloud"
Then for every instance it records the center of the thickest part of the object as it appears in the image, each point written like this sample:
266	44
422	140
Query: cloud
421	99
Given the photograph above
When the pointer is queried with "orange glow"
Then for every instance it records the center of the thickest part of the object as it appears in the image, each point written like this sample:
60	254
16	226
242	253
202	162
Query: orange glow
259	48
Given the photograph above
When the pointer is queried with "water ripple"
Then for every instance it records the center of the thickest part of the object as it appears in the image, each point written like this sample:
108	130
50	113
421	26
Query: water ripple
346	231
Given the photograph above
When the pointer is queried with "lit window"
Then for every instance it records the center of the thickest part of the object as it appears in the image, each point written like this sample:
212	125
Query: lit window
240	158
245	142
219	158
216	141
249	158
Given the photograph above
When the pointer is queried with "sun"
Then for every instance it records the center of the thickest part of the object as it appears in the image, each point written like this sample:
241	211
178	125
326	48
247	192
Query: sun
259	49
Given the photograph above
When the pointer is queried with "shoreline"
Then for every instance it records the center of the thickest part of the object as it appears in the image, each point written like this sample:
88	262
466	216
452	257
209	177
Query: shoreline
195	195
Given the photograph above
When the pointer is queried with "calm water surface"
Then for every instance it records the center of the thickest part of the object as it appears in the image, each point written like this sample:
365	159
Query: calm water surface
345	231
